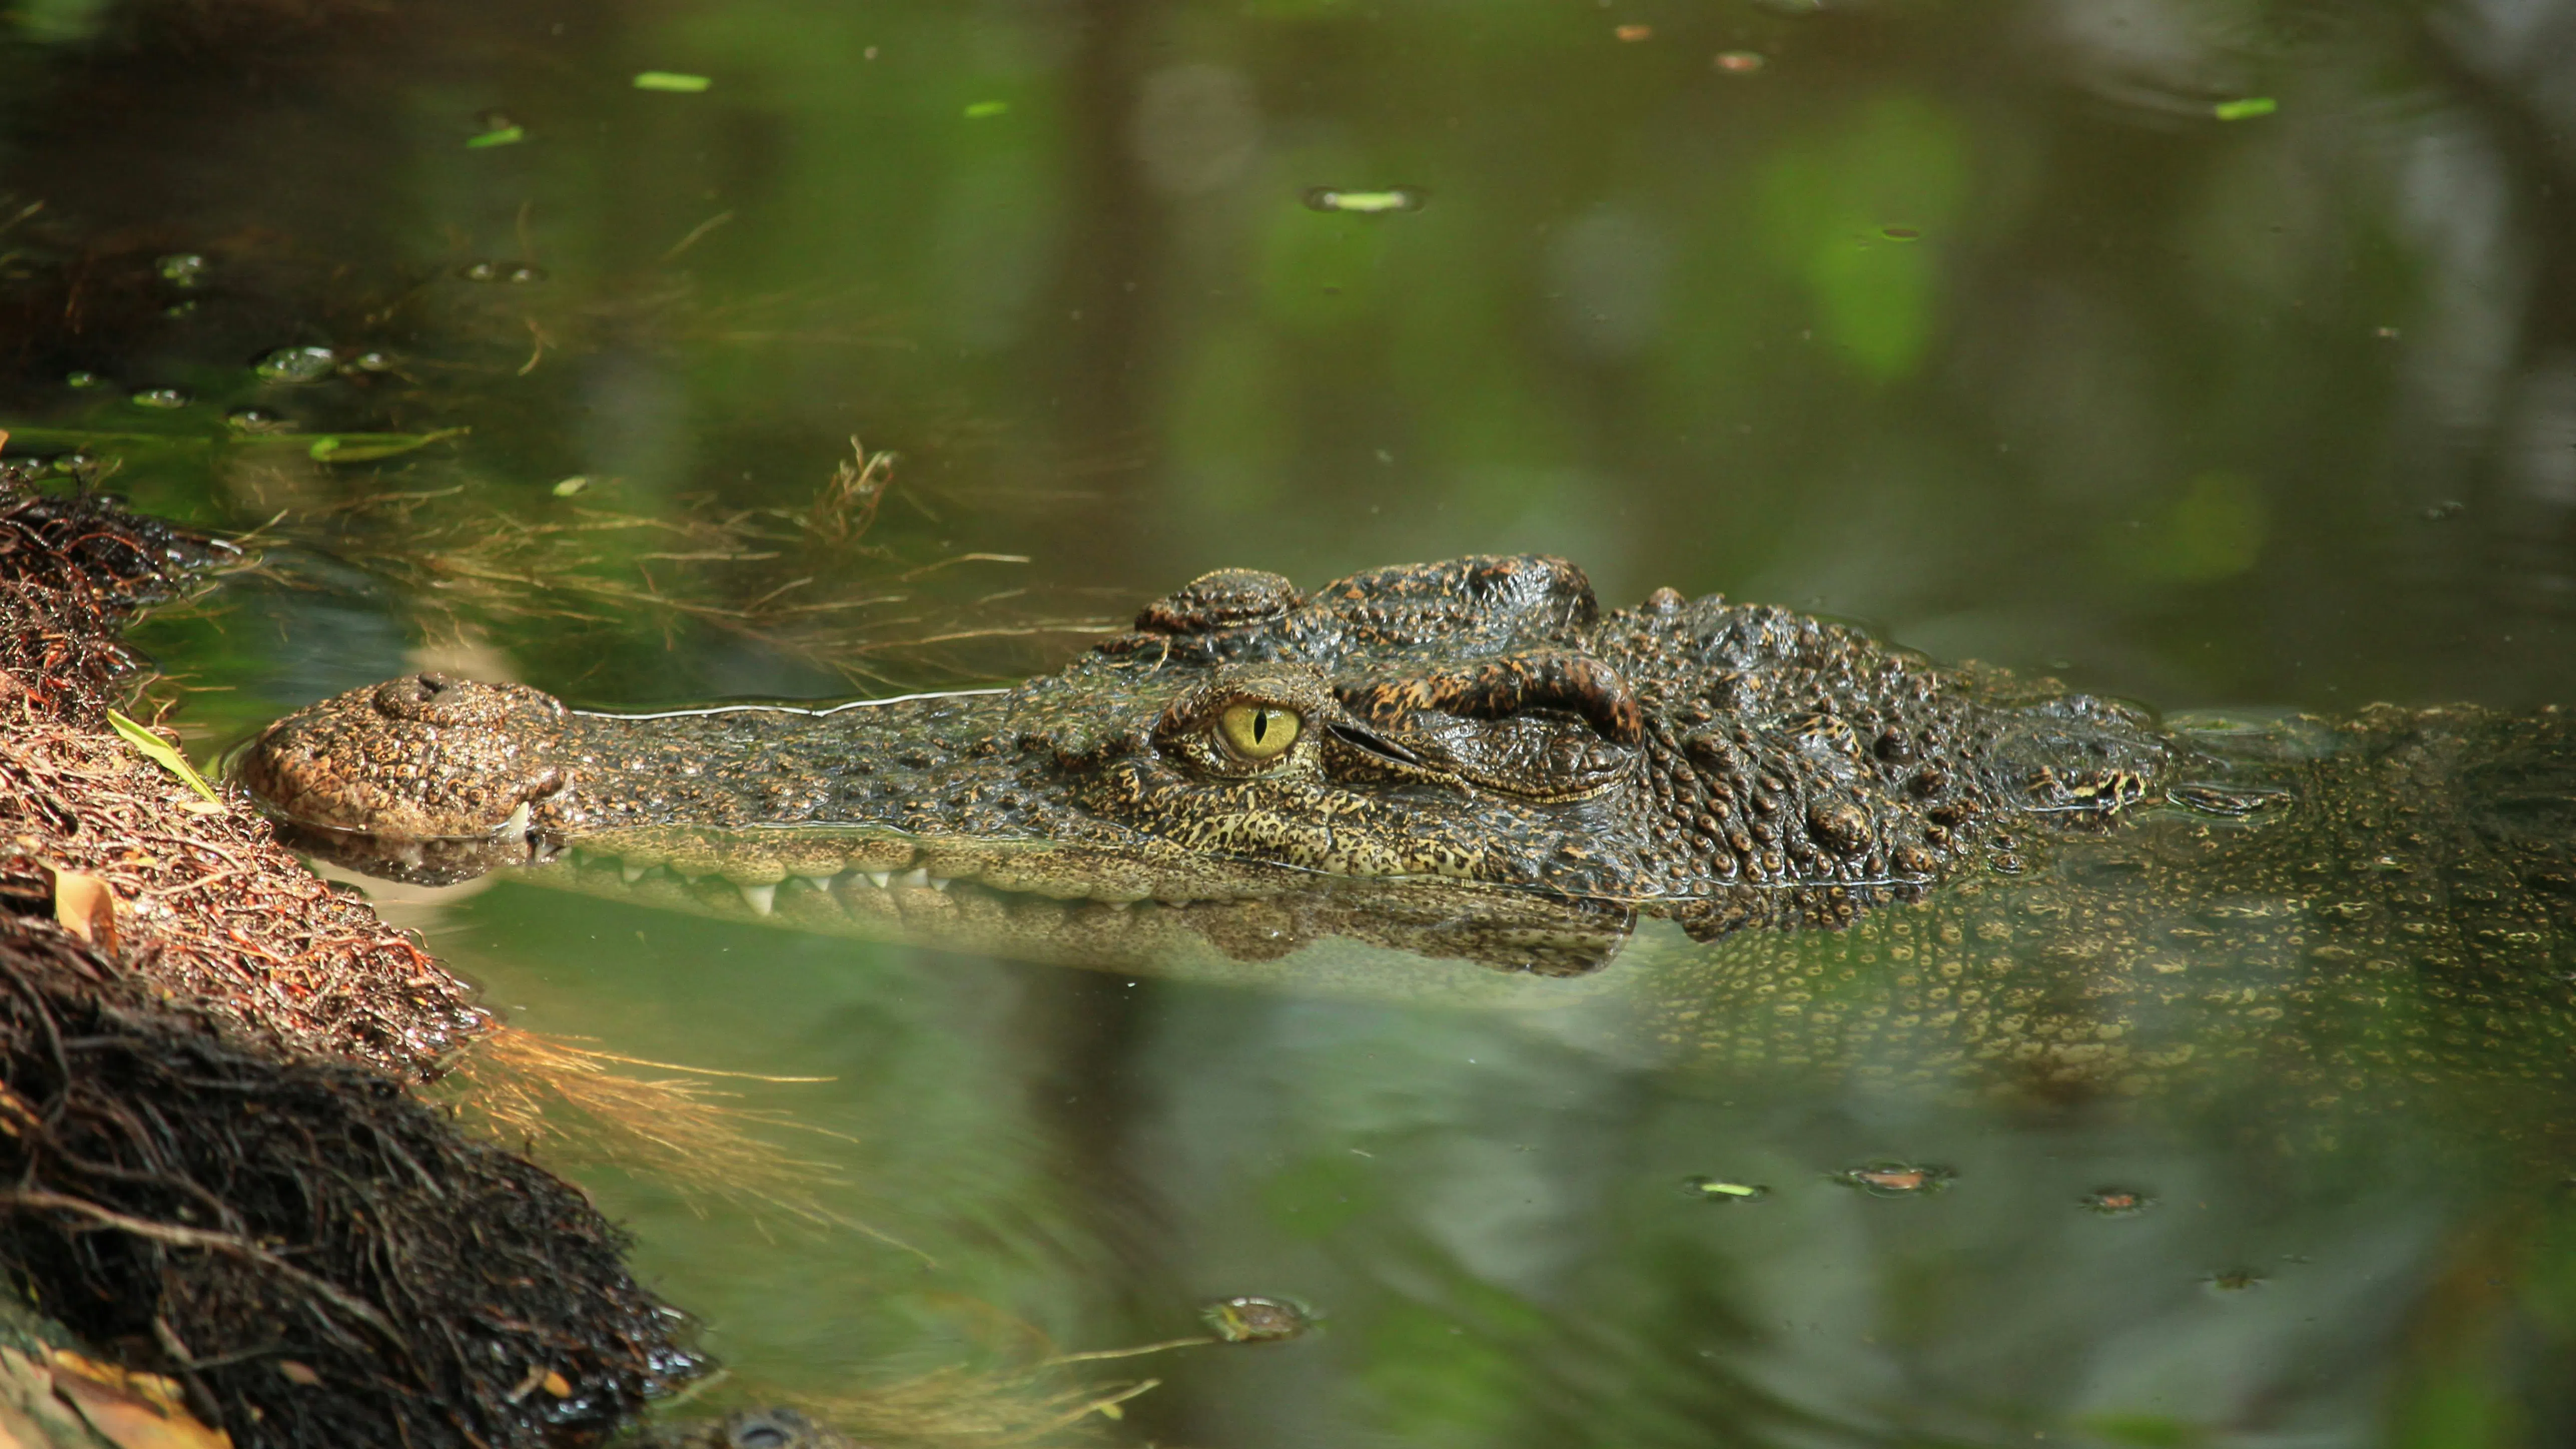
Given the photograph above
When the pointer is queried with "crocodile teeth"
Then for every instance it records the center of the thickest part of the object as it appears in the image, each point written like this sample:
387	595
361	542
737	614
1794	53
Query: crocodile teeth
761	898
818	882
630	872
915	877
879	878
517	824
940	882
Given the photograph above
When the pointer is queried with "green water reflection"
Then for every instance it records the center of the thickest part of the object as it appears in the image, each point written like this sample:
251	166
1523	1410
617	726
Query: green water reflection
1973	321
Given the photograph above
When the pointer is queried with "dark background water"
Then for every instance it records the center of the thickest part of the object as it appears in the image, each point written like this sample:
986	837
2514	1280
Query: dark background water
1975	322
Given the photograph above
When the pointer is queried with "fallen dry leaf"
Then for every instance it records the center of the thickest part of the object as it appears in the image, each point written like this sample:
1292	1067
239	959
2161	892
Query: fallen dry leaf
298	1373
131	1410
86	907
55	1399
35	1419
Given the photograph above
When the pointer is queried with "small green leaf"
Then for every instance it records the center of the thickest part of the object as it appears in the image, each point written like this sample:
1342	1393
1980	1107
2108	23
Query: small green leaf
2246	109
506	136
982	110
572	485
162	753
367	447
670	80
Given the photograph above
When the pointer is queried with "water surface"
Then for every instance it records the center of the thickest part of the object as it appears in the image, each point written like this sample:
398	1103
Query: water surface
2022	331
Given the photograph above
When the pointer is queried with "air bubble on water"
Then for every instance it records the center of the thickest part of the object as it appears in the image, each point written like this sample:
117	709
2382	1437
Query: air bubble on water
524	274
1253	1318
2447	508
75	463
180	269
83	379
1720	1190
295	364
369	361
1740	62
480	271
160	398
259	420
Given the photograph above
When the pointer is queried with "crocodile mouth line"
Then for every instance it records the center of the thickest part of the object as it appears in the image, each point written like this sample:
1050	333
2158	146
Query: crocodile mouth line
762	895
891	897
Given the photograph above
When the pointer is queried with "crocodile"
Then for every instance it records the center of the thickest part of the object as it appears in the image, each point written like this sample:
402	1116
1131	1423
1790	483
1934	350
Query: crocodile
1480	721
1846	853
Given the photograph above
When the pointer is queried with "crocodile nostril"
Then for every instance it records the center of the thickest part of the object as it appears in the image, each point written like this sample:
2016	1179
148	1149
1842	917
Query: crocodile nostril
403	698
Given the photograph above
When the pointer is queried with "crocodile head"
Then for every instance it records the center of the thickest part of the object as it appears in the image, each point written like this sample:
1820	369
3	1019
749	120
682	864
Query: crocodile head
1476	721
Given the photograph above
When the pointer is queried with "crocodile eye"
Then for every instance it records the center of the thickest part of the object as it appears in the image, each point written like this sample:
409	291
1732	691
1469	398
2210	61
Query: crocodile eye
1258	731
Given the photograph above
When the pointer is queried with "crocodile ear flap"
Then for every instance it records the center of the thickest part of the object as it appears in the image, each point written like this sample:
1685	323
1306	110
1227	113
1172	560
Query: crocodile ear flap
1500	688
1225	599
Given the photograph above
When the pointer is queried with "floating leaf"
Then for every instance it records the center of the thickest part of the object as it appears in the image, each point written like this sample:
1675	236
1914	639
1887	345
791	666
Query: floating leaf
163	753
505	136
2246	109
670	80
982	110
570	486
300	1374
1366	203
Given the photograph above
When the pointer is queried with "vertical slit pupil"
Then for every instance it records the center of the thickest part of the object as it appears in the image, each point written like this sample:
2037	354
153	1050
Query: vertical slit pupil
1260	726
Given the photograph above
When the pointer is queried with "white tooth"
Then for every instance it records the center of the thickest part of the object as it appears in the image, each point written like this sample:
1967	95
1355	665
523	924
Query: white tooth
517	824
631	872
940	882
879	877
819	882
1120	905
761	898
916	878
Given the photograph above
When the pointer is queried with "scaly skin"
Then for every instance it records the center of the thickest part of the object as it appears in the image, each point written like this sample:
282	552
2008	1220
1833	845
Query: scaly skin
1477	721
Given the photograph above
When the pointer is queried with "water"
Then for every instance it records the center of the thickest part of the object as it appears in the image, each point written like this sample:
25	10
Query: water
1976	323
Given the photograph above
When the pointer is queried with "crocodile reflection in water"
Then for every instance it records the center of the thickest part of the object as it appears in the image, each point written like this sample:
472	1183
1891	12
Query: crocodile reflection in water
1469	760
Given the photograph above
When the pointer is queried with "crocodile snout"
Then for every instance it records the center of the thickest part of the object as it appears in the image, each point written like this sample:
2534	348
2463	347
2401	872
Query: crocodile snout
420	758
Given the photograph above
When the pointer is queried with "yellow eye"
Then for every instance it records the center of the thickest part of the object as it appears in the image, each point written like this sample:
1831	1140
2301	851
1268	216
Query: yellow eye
1258	731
